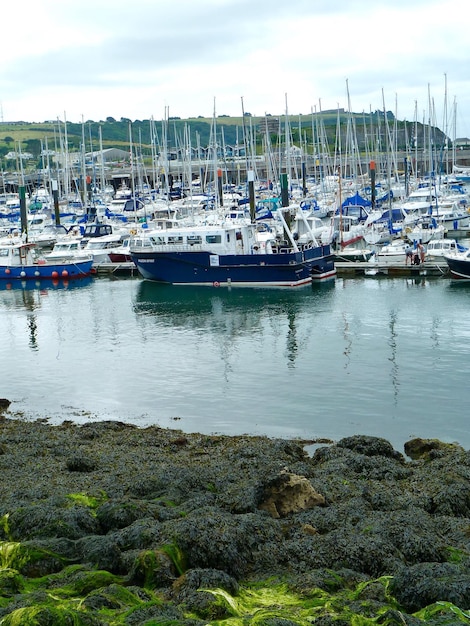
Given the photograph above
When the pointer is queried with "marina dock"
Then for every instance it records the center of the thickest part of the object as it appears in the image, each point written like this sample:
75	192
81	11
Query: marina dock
343	268
126	268
364	268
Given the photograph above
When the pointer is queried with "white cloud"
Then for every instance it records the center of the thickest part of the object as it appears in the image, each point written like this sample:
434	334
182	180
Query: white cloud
121	59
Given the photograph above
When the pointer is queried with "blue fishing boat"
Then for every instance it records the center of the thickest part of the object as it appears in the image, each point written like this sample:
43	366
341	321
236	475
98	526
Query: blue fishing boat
19	261
232	254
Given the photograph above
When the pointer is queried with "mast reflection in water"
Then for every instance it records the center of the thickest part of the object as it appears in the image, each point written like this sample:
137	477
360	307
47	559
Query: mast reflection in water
230	316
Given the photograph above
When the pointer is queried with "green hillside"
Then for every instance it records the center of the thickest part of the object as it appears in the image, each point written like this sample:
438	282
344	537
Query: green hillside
309	130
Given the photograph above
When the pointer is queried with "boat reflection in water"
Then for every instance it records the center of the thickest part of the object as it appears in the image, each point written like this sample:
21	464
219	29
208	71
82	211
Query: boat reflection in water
177	301
43	285
27	296
232	313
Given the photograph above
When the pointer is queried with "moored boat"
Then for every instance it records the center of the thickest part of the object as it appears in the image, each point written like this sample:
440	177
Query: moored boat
121	254
100	247
66	249
459	264
393	253
17	261
231	254
438	249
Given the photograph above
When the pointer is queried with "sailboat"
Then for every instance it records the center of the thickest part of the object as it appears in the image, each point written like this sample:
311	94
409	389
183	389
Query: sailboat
347	233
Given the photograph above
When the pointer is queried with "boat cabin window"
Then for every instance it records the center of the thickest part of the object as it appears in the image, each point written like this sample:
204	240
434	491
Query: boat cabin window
140	243
98	229
3	252
175	239
158	241
194	240
163	224
213	239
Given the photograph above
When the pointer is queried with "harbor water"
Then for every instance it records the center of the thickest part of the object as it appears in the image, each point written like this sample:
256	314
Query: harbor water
386	357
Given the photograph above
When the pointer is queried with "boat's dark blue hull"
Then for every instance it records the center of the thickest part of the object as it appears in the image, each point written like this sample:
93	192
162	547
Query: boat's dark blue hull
459	268
47	271
203	268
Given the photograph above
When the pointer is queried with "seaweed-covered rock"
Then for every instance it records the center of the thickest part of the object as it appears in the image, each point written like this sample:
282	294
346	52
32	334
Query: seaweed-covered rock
51	519
371	446
422	584
195	579
453	499
277	621
11	583
81	463
152	569
141	534
418	448
48	616
394	617
4	404
156	614
211	538
116	597
171	515
100	551
116	514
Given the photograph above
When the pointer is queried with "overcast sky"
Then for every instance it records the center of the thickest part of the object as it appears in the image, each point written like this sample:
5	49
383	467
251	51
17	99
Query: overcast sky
138	59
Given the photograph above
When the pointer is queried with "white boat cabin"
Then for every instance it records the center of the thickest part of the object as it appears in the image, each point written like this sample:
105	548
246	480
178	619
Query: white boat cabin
236	239
437	249
65	246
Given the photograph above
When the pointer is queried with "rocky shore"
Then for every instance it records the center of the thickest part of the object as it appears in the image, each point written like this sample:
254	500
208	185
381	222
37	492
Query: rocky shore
106	523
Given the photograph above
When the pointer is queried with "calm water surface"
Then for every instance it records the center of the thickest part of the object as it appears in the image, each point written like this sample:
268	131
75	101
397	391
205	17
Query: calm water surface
385	357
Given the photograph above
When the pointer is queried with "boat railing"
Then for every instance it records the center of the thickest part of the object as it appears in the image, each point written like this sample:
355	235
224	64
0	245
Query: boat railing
168	247
281	250
289	250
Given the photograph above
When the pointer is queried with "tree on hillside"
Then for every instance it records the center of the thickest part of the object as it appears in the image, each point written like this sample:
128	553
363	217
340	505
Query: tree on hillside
34	146
8	140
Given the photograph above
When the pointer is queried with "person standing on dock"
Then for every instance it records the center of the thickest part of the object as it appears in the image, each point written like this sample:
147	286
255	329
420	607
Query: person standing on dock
408	254
420	251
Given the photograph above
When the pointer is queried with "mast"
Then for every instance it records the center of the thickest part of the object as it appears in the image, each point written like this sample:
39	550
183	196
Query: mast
288	147
217	173
83	177
445	125
103	181
338	150
131	151
66	156
248	166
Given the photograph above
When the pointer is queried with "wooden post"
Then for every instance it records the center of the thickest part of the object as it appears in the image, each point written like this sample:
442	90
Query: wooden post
372	183
219	187
284	191
23	214
55	196
251	195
